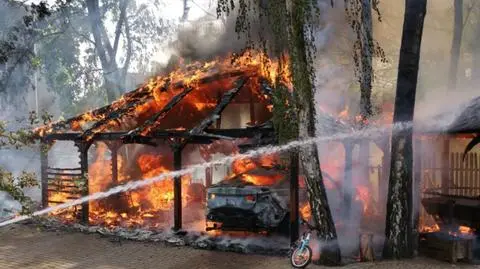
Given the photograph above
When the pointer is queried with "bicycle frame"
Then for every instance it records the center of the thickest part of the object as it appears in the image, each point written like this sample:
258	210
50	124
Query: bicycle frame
305	240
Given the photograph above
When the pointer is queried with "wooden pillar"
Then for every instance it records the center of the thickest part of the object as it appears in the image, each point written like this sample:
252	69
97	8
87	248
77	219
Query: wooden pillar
83	147
114	152
219	119
294	199
208	177
177	188
445	165
364	160
347	178
383	185
43	172
252	109
367	253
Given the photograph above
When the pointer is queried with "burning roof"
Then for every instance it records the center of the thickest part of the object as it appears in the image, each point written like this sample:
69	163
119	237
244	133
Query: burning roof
197	92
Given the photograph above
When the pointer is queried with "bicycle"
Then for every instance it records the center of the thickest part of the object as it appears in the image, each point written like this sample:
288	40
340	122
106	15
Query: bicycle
301	253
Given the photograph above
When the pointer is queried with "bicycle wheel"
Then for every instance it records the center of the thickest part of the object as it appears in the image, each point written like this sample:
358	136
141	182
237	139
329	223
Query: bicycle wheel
301	259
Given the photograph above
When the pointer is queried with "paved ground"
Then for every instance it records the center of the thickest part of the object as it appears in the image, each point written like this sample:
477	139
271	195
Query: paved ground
27	247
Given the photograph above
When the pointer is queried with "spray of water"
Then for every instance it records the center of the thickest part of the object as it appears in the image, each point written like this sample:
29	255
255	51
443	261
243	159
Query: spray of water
368	132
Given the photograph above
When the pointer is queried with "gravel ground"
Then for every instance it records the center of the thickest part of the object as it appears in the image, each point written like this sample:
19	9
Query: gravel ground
26	246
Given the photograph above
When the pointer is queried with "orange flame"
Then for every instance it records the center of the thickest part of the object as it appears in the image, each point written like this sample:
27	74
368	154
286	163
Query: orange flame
156	93
245	168
306	211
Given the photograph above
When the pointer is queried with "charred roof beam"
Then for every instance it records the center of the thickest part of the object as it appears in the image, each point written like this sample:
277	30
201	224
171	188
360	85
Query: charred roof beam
224	101
155	119
99	111
90	133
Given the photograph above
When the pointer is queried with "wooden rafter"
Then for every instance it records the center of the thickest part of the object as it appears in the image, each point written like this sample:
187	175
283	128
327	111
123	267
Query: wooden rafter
155	119
226	99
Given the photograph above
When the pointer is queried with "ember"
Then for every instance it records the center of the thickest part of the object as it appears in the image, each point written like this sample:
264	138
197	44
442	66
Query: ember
460	231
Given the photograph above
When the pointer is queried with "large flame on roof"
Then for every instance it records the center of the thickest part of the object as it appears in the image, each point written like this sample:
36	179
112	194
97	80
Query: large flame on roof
134	108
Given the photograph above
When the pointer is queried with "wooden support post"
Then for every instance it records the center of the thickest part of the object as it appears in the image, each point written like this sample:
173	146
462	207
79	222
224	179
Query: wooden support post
43	172
445	165
208	177
347	179
252	109
366	248
294	199
219	120
83	149
364	160
383	185
177	188
451	213
114	152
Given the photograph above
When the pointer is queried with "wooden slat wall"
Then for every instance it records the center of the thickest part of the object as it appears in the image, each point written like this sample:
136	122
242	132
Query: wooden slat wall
62	180
465	174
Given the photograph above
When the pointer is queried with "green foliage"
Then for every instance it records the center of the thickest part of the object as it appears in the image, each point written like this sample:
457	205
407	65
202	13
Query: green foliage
66	54
18	139
15	185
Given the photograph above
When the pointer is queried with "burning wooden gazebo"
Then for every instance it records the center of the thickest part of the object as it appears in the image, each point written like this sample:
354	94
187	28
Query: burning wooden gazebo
185	107
452	181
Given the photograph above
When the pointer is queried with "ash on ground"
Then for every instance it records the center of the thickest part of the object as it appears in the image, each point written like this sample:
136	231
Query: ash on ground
263	245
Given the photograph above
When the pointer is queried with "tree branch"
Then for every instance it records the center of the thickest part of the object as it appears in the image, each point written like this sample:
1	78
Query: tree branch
118	29
94	16
111	56
129	48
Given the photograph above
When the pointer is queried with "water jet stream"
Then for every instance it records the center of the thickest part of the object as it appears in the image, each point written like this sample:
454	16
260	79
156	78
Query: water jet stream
367	132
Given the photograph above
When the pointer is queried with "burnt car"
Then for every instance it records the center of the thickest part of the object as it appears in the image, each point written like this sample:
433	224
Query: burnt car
237	204
243	204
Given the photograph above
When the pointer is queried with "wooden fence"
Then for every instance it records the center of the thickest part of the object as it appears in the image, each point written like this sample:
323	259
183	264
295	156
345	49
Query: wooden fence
461	178
63	181
463	175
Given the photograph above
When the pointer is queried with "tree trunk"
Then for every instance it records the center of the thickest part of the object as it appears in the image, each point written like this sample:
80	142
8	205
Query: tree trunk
476	58
113	77
114	82
456	45
302	81
366	73
367	253
348	190
399	219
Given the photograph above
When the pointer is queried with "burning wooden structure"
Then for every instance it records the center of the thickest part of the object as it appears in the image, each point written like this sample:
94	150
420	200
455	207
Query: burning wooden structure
449	184
200	106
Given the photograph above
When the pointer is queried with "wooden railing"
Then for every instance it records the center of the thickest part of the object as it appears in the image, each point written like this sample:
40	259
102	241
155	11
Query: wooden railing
63	181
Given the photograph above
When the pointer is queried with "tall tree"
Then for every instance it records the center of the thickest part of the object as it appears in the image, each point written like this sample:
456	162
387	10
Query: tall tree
86	48
359	15
303	72
456	44
113	76
366	40
399	219
17	38
476	54
292	24
366	76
